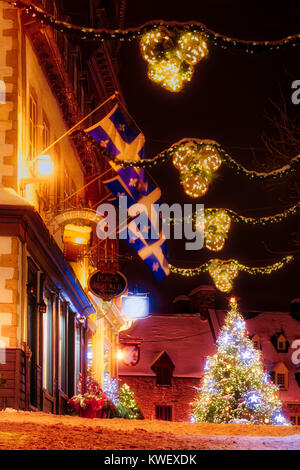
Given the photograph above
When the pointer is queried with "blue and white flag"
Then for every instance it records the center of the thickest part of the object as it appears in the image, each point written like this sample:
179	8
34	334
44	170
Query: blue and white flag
114	134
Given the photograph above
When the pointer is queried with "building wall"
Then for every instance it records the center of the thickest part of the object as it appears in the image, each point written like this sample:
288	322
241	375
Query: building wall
9	69
9	292
149	395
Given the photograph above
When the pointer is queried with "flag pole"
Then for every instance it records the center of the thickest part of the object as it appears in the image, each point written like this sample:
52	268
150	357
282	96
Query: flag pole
79	122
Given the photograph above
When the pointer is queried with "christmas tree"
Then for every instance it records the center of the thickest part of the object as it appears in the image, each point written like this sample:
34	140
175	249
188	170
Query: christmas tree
127	405
235	387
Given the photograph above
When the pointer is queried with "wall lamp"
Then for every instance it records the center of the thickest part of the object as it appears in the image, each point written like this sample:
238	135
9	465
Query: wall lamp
44	169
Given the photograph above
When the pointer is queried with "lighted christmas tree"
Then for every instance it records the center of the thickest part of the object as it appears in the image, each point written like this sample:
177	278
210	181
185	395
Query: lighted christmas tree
235	386
127	406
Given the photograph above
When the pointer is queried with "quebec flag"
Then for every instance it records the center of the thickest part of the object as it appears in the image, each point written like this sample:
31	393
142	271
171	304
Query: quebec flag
114	134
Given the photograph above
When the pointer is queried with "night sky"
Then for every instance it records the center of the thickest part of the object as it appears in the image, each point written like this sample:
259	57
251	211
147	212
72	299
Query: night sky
228	100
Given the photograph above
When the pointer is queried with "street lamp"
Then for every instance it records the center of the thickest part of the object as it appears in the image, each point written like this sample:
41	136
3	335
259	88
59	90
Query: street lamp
44	169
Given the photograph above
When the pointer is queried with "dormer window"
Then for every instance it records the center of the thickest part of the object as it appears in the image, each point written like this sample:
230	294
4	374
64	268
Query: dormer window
256	342
163	367
281	343
281	375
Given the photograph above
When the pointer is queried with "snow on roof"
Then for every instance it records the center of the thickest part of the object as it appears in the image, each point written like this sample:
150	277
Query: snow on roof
181	298
265	325
203	287
9	197
186	338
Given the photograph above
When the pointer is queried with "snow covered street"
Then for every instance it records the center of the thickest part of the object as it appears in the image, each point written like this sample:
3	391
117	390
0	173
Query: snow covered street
40	431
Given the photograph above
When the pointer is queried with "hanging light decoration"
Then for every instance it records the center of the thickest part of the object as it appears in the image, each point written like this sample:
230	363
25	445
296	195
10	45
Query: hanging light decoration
172	55
196	166
223	273
216	227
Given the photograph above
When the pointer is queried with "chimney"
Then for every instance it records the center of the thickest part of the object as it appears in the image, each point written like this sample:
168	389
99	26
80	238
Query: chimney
203	298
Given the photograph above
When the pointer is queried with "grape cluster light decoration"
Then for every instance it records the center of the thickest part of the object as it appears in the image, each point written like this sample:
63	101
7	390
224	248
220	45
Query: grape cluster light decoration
223	272
196	166
172	55
216	227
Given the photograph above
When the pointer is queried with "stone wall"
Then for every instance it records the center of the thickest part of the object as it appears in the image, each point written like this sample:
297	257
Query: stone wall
9	70
9	292
149	395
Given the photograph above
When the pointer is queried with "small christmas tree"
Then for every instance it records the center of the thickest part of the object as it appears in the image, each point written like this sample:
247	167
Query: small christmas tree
110	387
127	405
235	386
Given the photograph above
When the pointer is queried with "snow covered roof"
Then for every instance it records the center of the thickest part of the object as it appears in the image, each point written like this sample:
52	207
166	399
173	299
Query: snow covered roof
9	197
186	338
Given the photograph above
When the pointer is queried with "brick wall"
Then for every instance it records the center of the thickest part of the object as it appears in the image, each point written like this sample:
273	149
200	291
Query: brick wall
149	395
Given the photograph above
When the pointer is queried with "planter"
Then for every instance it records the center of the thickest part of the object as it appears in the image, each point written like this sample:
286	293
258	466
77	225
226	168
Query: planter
89	412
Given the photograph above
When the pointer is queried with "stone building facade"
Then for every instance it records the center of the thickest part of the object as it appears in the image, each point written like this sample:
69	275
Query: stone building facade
164	355
51	326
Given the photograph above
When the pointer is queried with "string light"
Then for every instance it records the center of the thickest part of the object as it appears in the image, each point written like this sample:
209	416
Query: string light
223	272
216	227
171	56
193	27
197	145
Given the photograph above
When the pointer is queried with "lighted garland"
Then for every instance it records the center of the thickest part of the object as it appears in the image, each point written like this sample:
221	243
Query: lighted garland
223	272
198	157
130	34
217	223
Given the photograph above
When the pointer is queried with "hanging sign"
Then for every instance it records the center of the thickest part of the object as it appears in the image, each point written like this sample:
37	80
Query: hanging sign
107	285
131	354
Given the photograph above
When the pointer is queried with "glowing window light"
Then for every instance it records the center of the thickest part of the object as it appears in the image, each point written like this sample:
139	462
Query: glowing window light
135	306
44	165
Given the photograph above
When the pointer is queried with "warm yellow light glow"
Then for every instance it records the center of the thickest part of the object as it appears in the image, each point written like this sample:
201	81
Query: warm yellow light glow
223	273
217	224
78	234
171	58
44	165
120	354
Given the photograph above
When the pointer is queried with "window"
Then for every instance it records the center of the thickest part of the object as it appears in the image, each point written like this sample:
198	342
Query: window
77	355
32	128
256	341
281	343
48	347
281	380
163	413
295	420
281	375
163	375
62	346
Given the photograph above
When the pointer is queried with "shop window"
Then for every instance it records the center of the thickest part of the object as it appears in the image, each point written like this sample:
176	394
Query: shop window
163	412
77	355
62	346
32	128
48	347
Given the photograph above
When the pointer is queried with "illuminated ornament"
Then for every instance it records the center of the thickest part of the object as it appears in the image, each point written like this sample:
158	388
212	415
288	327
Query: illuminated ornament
183	156
279	419
171	56
167	74
223	273
196	168
195	186
253	399
216	228
192	48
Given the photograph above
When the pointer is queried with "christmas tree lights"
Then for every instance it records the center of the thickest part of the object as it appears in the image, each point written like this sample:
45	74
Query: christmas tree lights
127	406
235	386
